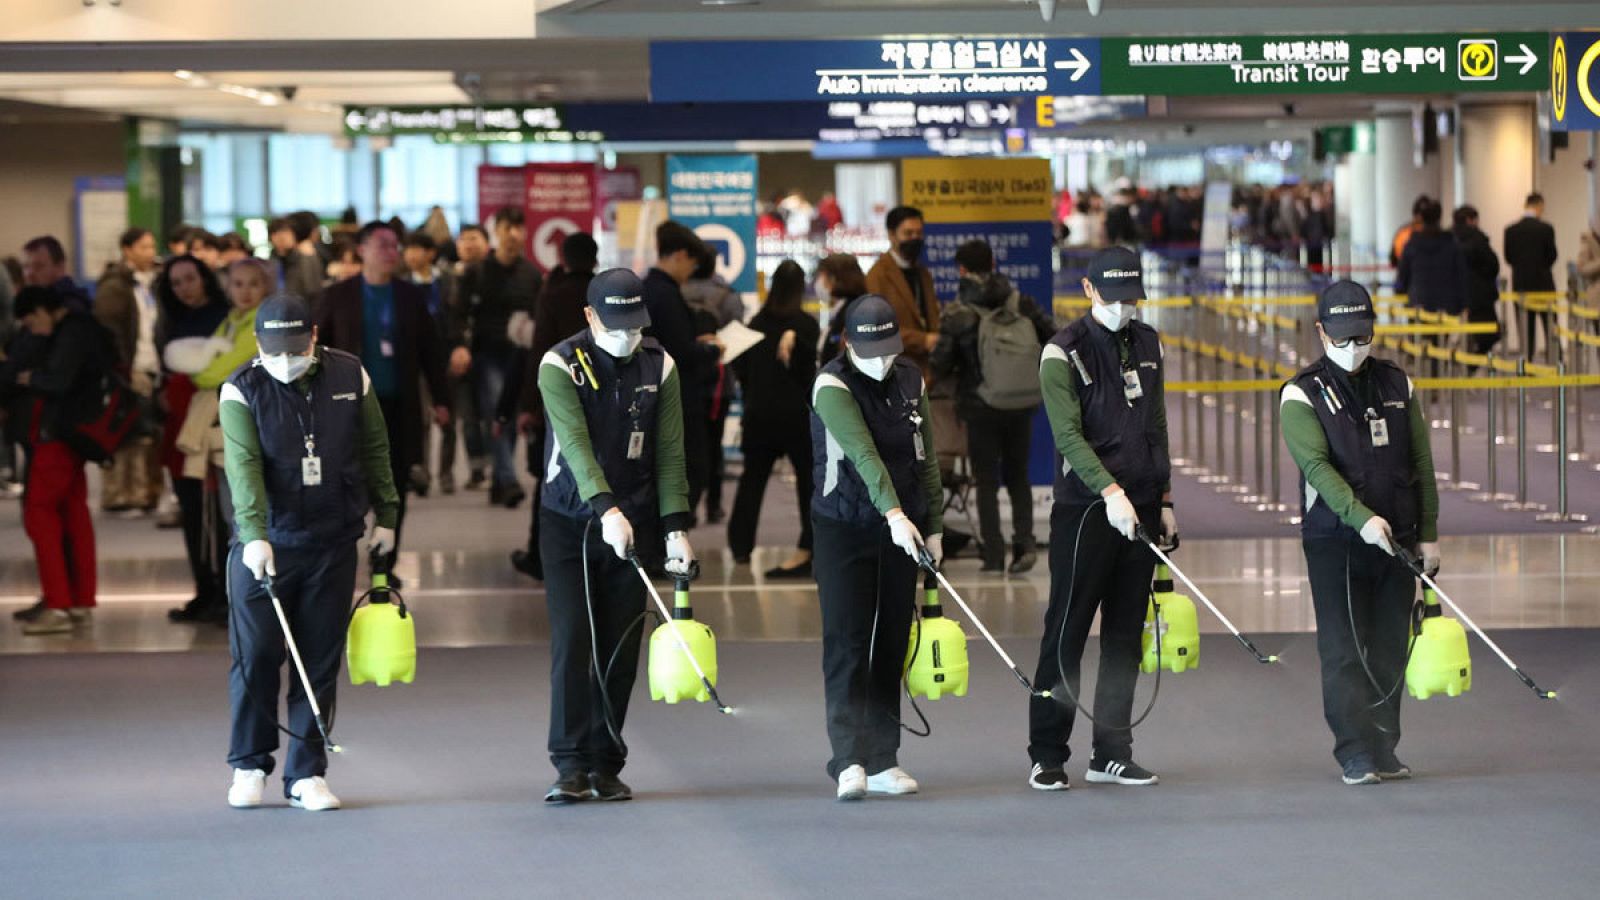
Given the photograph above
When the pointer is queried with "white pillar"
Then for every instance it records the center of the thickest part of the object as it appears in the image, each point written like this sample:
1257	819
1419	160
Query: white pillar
1497	162
1354	197
1398	178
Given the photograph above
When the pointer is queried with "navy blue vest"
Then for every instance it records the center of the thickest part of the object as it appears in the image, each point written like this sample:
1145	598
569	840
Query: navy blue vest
1125	435
889	408
1382	477
327	408
625	401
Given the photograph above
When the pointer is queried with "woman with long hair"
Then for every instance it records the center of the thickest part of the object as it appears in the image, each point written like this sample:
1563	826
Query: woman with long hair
839	281
776	375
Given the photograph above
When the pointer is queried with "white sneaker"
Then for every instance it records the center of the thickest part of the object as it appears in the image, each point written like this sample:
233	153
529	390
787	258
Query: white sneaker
81	615
892	781
50	621
313	794
248	785
853	783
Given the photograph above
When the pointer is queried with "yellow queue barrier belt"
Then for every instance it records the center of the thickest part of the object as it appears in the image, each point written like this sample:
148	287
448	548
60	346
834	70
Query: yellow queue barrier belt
1530	382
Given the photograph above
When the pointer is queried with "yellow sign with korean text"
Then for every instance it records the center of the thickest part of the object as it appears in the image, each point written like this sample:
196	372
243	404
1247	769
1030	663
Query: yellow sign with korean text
979	190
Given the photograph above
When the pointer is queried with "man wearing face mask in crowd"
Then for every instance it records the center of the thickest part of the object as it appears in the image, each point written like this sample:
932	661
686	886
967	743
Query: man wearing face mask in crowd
1354	428
877	494
615	486
900	277
1102	380
307	455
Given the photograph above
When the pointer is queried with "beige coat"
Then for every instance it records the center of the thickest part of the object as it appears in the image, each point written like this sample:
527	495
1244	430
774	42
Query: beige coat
1589	266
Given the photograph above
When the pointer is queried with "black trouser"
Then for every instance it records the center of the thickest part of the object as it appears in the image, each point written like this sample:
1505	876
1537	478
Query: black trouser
758	461
314	585
695	458
1353	580
579	739
867	587
398	466
1529	318
998	441
463	419
1109	573
536	447
204	538
715	464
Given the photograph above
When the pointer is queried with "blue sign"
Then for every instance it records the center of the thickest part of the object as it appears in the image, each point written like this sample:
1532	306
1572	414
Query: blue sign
721	71
1575	81
716	196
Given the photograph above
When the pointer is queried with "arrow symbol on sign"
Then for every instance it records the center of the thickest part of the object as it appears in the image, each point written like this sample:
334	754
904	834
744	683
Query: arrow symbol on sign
1528	59
1079	64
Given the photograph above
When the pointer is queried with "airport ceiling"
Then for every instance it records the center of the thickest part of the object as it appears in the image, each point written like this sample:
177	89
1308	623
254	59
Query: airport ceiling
589	50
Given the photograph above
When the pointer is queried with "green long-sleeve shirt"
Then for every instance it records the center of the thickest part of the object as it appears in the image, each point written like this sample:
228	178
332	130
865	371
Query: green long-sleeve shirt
571	427
1308	444
841	415
1065	411
242	460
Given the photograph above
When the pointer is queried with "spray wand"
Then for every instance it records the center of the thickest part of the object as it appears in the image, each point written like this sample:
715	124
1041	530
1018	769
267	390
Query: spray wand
694	571
1167	560
925	560
1415	565
300	667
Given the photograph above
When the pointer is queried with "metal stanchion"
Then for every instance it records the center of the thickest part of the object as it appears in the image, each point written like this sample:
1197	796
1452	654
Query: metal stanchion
1458	416
1579	359
1522	503
1491	492
1562	514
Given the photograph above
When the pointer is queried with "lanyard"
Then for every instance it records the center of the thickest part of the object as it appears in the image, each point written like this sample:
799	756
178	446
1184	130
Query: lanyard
308	431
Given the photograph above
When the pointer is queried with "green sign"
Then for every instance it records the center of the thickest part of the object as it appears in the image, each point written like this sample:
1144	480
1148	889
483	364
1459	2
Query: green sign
1331	64
504	122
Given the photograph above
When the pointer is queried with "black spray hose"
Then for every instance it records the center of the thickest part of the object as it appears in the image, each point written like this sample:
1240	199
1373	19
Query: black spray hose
694	572
1144	536
925	560
299	666
1415	565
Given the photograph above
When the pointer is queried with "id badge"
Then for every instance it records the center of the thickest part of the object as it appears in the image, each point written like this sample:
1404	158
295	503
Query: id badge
635	445
1131	388
1380	432
916	443
311	471
386	347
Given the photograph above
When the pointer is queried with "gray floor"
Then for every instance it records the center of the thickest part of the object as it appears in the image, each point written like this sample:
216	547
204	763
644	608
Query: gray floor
113	778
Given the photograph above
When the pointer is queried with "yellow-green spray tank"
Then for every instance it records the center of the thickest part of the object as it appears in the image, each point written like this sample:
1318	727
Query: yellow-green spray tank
672	675
1174	633
1440	661
936	659
382	647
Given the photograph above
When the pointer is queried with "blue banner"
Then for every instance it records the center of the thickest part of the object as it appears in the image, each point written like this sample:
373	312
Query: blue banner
720	71
716	196
1575	81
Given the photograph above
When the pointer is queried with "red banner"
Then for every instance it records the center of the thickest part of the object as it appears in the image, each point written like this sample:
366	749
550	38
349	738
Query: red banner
560	201
498	188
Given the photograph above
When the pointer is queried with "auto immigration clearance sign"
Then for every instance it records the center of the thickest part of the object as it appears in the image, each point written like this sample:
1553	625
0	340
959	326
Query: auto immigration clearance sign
1311	64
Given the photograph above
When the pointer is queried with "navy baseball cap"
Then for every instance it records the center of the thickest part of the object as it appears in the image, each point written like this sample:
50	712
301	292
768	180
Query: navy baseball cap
617	297
871	327
1117	274
1345	311
283	325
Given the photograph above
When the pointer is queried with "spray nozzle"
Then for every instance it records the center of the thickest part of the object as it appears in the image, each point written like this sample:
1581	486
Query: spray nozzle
925	559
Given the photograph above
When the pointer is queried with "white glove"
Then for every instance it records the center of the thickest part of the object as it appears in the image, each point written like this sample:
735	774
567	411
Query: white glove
1377	533
257	557
382	540
519	329
617	531
935	545
679	553
904	534
1119	512
1430	558
1169	526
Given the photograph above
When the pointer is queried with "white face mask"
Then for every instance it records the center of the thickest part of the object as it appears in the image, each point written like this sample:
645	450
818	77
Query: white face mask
876	367
286	367
1347	358
620	342
1114	316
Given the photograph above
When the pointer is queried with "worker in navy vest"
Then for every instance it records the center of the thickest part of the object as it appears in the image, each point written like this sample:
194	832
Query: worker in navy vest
1357	432
1101	377
615	485
307	456
877	502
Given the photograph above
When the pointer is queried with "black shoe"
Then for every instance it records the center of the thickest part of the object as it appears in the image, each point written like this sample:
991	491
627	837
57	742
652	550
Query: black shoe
801	571
395	583
420	482
528	564
955	542
1111	771
741	560
1048	778
571	788
476	480
514	496
608	787
497	495
31	613
714	516
992	568
447	483
193	611
1390	768
1361	770
1023	563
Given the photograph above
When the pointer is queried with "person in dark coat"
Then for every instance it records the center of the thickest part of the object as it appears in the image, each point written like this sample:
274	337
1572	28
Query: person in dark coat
1483	273
1433	272
386	323
678	253
1530	245
557	316
776	375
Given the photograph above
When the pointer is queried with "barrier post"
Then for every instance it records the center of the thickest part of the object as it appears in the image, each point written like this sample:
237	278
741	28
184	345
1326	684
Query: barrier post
1491	492
1522	502
1239	332
1561	514
1457	417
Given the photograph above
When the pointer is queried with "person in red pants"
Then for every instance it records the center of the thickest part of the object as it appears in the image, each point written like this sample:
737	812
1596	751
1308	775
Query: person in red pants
66	388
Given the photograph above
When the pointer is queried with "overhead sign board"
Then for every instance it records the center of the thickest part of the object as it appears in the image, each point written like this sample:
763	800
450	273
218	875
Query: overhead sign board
1314	64
702	71
1575	81
716	196
510	121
